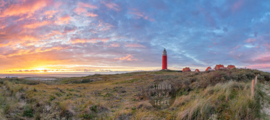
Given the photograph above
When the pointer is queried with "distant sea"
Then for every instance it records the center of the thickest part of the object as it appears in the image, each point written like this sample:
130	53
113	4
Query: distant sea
23	75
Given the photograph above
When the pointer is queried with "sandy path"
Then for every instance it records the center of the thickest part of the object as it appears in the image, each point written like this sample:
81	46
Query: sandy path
266	106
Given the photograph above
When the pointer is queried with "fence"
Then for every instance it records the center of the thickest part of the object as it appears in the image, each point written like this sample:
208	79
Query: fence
253	84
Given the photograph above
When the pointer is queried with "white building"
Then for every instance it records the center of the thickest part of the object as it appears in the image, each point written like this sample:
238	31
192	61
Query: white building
12	77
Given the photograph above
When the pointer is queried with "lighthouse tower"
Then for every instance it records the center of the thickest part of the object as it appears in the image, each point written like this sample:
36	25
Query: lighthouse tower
164	60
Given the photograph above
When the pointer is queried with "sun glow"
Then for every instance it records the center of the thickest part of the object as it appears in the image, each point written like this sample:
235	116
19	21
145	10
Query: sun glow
40	69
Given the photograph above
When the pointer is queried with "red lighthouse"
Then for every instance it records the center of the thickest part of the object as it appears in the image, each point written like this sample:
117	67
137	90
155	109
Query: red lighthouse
164	60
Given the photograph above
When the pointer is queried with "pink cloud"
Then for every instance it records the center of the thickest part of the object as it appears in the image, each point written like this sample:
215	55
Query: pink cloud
127	58
112	6
249	40
27	7
237	5
134	45
91	15
259	66
28	38
114	45
4	45
50	13
37	50
63	20
93	40
3	26
139	14
53	33
57	4
81	9
14	40
267	45
2	3
237	46
37	24
262	59
80	4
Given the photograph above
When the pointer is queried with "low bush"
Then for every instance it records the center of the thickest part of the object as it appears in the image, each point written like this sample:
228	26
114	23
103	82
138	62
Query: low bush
28	112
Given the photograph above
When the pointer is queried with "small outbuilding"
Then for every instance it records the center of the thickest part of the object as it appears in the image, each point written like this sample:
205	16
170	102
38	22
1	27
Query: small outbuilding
220	67
208	69
231	67
186	69
197	70
12	77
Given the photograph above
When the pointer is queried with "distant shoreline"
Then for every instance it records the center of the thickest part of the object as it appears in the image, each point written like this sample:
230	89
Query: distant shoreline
57	75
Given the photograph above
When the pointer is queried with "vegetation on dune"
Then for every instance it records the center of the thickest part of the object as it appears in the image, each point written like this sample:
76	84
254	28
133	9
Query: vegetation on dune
231	100
213	95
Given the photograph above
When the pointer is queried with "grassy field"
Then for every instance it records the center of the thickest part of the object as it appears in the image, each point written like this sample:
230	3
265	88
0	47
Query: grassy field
217	95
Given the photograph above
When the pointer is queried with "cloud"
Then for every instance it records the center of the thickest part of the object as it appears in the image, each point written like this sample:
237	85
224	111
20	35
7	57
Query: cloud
86	5
267	46
249	40
138	14
63	20
92	40
127	58
2	3
134	45
4	45
111	5
110	32
114	45
82	9
255	34
259	66
50	13
237	5
27	7
68	29
37	24
91	15
237	46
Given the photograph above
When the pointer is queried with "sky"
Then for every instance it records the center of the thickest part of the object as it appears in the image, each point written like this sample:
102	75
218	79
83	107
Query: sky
130	35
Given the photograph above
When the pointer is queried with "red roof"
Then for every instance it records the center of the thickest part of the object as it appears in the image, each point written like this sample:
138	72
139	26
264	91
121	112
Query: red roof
186	69
197	70
231	67
208	68
219	67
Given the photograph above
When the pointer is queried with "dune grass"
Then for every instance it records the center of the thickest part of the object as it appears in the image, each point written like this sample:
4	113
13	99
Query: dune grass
231	100
200	96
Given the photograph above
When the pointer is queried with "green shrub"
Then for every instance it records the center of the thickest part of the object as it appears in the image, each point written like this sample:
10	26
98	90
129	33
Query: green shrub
87	116
87	80
58	94
28	113
94	108
52	97
6	108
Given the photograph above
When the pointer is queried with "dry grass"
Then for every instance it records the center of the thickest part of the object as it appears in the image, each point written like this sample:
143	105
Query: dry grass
230	100
200	96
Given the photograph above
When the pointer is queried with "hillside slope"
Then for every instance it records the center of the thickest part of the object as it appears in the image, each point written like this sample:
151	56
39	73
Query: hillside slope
210	95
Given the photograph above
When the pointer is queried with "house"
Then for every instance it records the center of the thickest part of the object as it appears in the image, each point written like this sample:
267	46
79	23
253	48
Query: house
186	69
11	77
220	67
197	70
208	69
231	67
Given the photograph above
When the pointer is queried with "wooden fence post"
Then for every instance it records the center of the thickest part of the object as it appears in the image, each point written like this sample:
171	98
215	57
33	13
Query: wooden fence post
252	88
256	79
